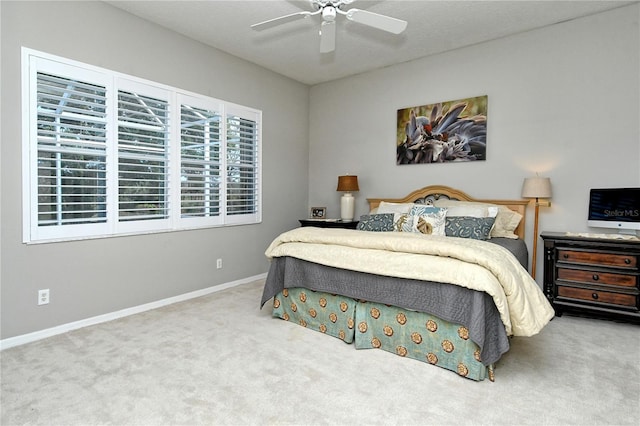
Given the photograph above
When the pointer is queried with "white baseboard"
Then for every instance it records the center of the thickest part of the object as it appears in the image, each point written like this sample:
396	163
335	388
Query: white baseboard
53	331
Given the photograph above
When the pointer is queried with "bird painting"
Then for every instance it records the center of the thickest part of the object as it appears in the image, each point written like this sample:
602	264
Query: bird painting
453	131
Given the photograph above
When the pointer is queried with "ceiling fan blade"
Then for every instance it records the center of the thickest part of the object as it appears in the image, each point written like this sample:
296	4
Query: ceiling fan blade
281	20
381	22
327	36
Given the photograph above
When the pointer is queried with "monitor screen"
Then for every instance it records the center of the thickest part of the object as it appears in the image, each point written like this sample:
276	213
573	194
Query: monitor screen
615	208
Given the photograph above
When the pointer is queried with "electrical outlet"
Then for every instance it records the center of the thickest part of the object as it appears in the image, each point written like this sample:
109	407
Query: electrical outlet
43	297
219	263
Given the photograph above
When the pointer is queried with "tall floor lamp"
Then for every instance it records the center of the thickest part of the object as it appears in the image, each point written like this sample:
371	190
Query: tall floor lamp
536	187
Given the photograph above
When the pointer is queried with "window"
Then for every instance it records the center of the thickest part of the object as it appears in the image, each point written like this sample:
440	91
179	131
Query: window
200	151
108	154
241	166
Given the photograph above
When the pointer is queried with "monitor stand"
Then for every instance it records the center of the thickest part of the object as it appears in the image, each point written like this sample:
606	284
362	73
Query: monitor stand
632	232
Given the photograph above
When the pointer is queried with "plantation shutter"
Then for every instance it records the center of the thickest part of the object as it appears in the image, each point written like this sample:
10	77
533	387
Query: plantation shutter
200	155
108	154
242	164
143	134
71	151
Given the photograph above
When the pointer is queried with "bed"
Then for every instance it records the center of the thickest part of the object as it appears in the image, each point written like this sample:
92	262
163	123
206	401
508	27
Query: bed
436	276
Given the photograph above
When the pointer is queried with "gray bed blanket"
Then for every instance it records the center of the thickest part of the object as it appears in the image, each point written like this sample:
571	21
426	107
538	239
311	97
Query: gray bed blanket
517	247
473	309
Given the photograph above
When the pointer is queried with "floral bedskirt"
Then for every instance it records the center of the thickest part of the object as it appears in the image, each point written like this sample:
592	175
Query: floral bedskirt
403	332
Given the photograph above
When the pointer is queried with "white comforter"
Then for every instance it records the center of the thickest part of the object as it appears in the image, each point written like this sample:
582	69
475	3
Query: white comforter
474	264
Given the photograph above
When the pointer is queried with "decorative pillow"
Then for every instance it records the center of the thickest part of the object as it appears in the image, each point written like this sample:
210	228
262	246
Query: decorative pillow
428	219
376	222
471	211
506	221
402	222
477	228
385	207
419	209
467	208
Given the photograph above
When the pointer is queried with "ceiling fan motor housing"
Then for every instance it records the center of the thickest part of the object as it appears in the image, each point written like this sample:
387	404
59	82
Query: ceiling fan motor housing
329	13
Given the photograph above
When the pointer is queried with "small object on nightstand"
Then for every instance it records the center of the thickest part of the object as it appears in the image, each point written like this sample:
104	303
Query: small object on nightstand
329	223
318	212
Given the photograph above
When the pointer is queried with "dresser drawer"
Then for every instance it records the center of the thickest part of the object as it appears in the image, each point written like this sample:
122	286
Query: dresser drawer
595	277
597	296
598	258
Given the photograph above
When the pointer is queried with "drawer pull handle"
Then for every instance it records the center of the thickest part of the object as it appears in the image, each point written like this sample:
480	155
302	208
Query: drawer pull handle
566	256
627	261
595	296
595	277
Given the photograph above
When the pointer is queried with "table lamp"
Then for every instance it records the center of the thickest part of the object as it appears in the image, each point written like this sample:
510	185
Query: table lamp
347	184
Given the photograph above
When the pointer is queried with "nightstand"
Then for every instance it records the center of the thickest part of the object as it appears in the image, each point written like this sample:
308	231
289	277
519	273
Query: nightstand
329	223
591	275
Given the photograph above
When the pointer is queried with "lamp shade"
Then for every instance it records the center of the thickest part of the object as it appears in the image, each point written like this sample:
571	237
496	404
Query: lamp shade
536	187
348	183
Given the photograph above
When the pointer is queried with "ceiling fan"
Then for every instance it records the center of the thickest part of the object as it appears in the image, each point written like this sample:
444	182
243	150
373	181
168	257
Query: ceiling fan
329	9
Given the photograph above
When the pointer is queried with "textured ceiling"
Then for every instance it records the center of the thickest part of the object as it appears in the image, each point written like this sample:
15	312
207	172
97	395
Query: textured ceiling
292	49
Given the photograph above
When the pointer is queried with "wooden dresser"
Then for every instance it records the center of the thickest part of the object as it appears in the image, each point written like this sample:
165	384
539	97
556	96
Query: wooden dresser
591	275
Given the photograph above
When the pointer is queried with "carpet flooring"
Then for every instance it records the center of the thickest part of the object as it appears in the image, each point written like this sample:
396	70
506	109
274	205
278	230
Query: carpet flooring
219	360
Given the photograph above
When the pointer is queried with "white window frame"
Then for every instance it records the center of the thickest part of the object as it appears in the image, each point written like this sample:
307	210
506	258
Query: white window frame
34	61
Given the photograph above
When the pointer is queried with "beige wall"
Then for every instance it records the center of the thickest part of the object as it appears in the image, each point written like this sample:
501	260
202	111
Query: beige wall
94	277
563	101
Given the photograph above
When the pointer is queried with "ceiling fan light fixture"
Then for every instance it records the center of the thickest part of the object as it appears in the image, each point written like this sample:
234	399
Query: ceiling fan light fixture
329	13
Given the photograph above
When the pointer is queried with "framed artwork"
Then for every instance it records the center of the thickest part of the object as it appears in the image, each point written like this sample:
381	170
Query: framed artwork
318	212
445	132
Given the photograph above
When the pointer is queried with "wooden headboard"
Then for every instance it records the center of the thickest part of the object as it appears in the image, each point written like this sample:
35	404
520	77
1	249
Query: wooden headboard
434	192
